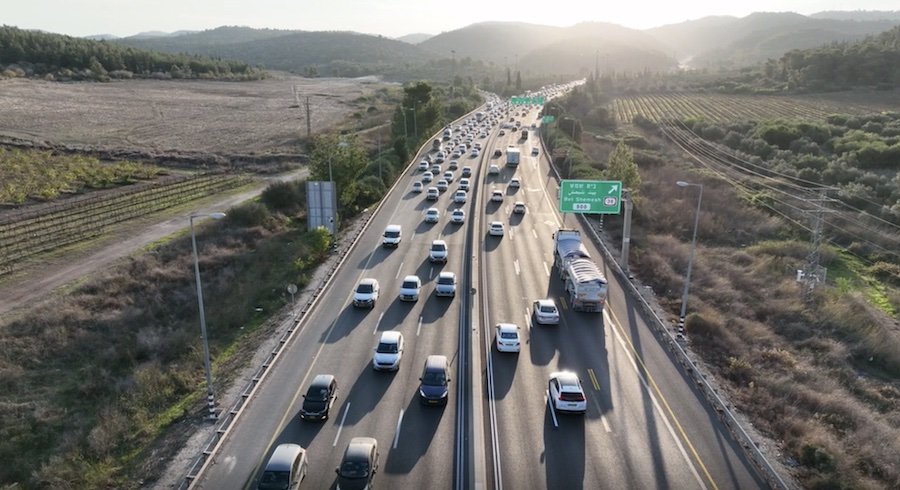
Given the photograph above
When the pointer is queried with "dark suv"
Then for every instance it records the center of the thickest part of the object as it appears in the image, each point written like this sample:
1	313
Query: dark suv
319	398
359	464
435	381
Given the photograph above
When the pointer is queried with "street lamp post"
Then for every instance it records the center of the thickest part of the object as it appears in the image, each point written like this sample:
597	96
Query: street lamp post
210	397
687	279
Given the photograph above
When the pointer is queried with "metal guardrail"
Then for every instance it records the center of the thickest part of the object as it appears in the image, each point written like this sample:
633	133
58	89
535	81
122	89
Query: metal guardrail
673	346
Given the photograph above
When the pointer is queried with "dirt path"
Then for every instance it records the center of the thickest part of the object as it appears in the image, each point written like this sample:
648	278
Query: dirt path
37	281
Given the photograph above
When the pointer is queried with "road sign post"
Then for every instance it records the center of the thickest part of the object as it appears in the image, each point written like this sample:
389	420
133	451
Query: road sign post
590	196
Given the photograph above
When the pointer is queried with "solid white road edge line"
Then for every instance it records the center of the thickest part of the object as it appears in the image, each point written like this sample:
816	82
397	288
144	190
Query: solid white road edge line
397	434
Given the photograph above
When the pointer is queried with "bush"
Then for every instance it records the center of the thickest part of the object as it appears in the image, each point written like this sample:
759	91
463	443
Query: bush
285	197
249	215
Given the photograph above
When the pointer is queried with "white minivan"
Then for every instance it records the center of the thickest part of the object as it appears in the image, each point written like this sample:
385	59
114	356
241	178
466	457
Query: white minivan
392	236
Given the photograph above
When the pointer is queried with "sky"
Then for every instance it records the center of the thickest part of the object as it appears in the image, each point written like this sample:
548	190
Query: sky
391	18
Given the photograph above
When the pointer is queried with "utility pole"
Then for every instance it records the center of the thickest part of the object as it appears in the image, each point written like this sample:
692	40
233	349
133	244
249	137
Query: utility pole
308	121
626	231
812	273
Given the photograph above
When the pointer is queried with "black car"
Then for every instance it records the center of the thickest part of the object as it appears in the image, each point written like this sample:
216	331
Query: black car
319	398
435	380
498	152
359	464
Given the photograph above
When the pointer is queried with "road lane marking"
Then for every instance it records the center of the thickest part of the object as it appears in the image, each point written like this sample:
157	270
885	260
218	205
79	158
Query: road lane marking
647	381
378	323
552	410
397	434
594	379
398	270
341	426
562	302
419	328
546	269
534	232
516	266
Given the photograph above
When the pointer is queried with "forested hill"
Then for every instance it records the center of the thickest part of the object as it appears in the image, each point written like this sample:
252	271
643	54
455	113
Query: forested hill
59	57
872	62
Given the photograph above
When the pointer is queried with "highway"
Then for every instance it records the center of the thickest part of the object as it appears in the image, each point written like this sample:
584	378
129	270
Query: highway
645	426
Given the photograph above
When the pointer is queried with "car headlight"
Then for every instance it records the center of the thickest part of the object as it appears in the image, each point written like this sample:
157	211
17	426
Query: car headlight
422	394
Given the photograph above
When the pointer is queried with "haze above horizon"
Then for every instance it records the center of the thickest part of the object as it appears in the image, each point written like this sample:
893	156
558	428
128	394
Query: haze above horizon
390	18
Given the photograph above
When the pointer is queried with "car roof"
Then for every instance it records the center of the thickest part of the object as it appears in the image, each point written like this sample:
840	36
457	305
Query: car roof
410	278
439	242
566	379
392	228
446	274
435	362
458	211
546	302
391	336
519	202
368	280
507	327
496	223
283	457
432	210
322	380
359	448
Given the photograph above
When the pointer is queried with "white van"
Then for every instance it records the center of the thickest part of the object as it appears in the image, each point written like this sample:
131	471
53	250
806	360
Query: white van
392	236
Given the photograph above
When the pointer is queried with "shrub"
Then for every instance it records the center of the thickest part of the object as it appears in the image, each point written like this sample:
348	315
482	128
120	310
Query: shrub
249	215
285	197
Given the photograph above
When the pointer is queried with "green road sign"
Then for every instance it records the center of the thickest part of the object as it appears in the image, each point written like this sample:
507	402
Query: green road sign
527	100
590	196
548	119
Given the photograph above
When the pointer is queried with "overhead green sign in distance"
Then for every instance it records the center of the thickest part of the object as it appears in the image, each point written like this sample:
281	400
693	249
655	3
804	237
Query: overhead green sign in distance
590	196
548	119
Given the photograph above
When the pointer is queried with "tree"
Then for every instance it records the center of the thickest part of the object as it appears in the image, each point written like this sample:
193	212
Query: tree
621	166
345	159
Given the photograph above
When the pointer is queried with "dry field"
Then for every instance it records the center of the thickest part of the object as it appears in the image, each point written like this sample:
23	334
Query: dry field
172	116
724	107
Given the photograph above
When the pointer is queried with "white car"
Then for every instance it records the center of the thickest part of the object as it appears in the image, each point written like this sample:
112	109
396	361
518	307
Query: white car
432	215
495	229
460	197
436	168
464	184
519	207
433	194
438	252
545	312
410	288
493	170
366	293
423	165
514	183
427	177
507	335
467	171
497	196
458	216
448	176
388	352
453	165
442	185
566	393
418	187
474	153
446	284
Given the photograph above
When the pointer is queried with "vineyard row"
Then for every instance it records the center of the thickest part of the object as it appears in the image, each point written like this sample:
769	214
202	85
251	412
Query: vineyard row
29	237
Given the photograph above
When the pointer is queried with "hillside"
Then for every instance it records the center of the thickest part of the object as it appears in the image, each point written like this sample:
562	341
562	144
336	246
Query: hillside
415	38
58	57
735	42
314	53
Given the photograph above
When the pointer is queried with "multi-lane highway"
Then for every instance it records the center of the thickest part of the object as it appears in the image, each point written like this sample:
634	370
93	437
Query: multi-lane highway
645	427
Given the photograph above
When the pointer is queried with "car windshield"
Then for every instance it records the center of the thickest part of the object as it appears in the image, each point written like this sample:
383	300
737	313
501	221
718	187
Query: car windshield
387	348
354	469
409	285
438	247
392	234
548	309
434	378
317	394
445	280
365	288
275	479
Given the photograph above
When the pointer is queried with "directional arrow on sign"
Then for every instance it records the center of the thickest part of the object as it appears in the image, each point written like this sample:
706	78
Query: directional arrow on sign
613	189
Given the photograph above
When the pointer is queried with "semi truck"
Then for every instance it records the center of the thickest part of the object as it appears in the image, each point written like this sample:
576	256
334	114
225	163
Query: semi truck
512	156
586	286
